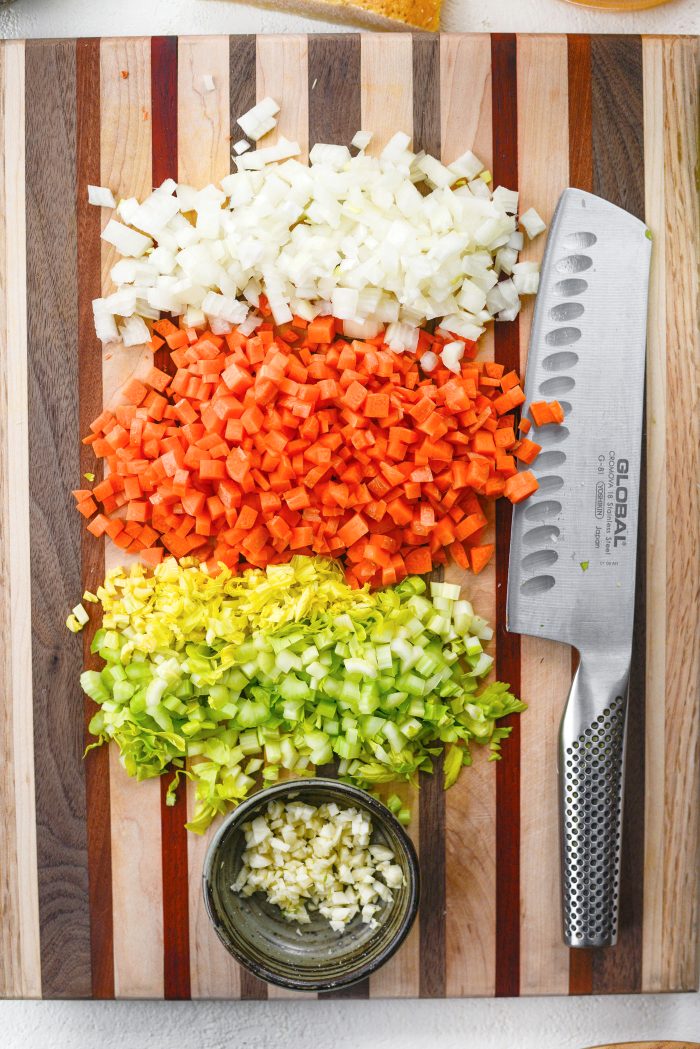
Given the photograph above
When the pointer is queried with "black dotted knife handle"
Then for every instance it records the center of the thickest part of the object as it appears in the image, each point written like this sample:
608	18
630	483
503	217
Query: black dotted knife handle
591	775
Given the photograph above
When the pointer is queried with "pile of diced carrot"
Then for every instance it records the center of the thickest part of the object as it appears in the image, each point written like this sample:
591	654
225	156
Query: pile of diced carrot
294	440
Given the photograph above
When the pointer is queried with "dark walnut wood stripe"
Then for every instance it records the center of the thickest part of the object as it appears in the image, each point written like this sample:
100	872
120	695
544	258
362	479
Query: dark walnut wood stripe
99	842
618	120
618	175
334	88
242	96
176	925
333	74
581	176
164	107
55	528
431	797
507	352
426	94
241	81
334	116
164	131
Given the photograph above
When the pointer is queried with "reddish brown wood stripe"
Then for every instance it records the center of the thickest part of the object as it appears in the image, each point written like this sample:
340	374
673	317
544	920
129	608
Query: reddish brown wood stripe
507	352
164	105
52	323
99	843
431	798
176	925
176	922
581	176
580	140
618	175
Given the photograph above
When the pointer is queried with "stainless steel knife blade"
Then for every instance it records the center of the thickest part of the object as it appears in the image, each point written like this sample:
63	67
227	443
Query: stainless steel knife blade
573	543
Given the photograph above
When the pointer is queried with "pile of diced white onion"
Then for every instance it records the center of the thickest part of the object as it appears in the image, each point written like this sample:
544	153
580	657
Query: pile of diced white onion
320	859
351	236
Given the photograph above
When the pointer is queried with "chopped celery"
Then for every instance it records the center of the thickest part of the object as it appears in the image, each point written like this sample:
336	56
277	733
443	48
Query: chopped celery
472	646
288	668
394	803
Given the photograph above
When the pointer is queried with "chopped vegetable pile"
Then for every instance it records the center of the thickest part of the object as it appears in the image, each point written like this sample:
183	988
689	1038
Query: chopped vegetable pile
351	236
286	669
293	440
321	859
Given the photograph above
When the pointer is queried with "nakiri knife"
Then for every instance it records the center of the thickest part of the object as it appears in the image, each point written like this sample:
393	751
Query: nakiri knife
573	543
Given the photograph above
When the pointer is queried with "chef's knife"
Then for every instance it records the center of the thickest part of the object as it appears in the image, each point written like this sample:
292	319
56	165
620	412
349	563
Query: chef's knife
573	543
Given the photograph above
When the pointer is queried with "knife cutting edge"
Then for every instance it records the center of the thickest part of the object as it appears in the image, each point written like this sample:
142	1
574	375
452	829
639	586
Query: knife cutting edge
573	544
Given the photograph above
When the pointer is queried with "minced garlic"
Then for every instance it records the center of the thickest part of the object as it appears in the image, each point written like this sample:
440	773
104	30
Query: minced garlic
306	858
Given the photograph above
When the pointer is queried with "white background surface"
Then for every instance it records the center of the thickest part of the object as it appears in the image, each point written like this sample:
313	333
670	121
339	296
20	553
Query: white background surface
536	1023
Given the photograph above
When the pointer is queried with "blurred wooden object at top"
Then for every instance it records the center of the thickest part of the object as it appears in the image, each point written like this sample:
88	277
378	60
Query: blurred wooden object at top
625	5
385	14
649	1045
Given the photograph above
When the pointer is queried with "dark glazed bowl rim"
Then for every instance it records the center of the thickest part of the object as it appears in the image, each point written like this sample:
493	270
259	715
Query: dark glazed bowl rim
353	794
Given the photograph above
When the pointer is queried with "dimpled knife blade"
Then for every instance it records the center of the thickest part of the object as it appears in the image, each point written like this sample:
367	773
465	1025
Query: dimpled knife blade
573	543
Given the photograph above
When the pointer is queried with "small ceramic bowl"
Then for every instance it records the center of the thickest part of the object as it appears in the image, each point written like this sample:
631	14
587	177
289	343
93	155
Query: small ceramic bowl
316	958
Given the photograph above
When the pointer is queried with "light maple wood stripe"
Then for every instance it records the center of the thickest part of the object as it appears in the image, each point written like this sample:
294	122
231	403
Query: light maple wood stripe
20	961
678	957
137	884
470	817
203	157
213	972
282	74
545	666
400	977
203	131
655	744
386	87
386	99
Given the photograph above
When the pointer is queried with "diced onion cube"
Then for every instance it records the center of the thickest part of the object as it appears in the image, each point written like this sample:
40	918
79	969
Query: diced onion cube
361	139
101	196
344	302
105	324
127	241
134	332
260	119
467	166
256	161
332	156
526	283
451	355
532	223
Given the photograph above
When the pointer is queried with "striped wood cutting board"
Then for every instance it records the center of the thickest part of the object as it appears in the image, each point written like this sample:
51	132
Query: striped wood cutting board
99	883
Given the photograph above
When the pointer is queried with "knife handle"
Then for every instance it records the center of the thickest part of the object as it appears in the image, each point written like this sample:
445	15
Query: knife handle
591	777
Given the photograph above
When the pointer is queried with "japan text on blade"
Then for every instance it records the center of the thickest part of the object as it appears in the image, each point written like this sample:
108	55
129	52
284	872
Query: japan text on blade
573	548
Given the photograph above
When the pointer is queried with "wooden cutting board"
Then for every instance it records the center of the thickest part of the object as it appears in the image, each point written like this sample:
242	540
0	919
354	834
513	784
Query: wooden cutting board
99	883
